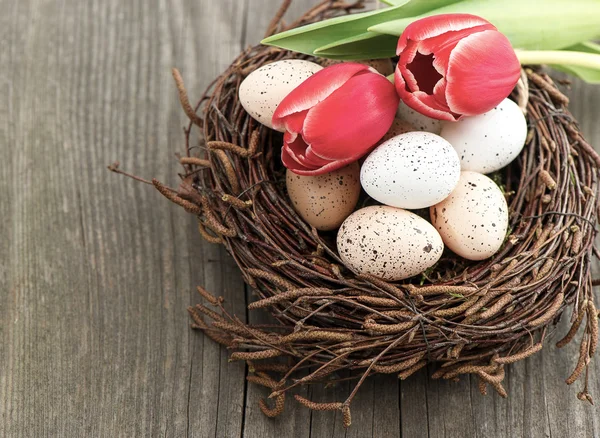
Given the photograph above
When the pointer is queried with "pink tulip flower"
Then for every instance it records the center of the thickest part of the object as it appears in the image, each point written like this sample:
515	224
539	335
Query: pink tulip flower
453	65
334	117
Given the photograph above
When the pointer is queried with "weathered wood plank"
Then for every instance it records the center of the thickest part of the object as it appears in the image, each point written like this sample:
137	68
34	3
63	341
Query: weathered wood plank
98	270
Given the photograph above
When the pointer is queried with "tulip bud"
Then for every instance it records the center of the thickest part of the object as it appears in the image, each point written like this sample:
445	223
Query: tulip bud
453	65
334	117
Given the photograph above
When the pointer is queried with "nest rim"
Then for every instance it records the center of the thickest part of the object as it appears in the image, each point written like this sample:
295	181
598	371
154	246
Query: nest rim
496	312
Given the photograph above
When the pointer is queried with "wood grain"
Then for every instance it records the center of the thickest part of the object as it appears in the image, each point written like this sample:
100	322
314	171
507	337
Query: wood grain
96	271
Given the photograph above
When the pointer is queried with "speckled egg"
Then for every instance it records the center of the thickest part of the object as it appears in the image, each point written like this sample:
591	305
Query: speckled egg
420	121
263	90
473	220
490	141
398	127
412	170
389	243
324	201
383	66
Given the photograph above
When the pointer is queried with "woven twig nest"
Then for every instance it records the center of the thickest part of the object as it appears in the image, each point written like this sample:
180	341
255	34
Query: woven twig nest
467	317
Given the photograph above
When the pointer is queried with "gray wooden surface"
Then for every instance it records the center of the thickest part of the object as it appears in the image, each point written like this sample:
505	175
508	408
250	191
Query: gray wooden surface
96	271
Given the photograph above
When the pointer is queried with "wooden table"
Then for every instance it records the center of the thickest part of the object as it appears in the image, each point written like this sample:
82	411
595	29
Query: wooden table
96	270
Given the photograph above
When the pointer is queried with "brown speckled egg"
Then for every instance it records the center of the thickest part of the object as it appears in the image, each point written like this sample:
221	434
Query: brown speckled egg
389	243
324	201
383	66
473	220
263	90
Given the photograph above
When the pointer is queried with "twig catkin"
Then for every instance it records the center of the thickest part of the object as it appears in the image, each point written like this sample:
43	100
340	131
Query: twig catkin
572	331
519	356
550	313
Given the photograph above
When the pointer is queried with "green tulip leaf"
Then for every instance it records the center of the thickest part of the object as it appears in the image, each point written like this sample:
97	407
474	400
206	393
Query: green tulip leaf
307	39
555	24
589	75
586	46
363	46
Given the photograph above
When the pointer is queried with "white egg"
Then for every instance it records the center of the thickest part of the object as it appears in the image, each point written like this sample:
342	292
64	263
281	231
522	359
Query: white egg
490	141
263	90
420	121
473	220
412	170
388	242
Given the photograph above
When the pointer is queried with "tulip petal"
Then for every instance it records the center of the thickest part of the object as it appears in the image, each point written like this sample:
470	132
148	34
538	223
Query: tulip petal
431	106
290	162
442	45
409	52
422	70
473	63
408	79
314	90
291	153
289	137
352	119
312	157
298	169
302	153
294	122
436	25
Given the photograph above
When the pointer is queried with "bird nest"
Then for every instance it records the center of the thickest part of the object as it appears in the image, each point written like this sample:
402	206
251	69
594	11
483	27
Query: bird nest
465	317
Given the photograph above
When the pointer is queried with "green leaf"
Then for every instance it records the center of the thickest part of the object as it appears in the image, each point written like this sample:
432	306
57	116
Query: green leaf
586	46
362	46
590	75
555	24
307	39
370	45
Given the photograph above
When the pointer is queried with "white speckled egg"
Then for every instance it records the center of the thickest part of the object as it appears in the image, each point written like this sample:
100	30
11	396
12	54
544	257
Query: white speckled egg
263	90
324	201
473	220
489	141
420	121
412	170
388	242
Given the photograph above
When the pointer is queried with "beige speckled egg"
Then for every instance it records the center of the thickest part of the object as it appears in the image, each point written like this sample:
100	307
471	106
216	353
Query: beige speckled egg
389	243
263	90
473	220
324	201
420	121
383	66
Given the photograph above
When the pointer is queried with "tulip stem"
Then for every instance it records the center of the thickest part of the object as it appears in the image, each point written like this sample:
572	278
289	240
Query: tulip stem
554	57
